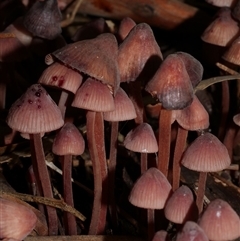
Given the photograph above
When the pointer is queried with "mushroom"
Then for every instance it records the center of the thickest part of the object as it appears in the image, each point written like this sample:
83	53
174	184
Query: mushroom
35	113
205	154
220	221
66	143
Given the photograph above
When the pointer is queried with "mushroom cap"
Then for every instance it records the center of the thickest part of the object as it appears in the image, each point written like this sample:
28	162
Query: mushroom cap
91	30
60	76
68	141
181	206
138	54
94	95
206	154
161	235
141	139
171	84
220	221
193	66
194	117
191	231
222	30
232	54
125	27
151	190
35	112
43	19
221	3
236	119
95	57
16	221
124	109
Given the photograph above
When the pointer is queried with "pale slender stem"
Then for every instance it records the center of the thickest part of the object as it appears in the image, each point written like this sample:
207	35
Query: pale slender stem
69	219
96	145
111	173
38	161
164	140
179	149
201	190
62	102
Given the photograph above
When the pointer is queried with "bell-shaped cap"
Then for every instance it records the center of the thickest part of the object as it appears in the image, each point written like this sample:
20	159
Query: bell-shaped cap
171	84
220	221
222	30
124	109
68	141
206	154
60	76
141	139
139	54
16	221
43	19
181	207
94	95
151	190
35	112
95	57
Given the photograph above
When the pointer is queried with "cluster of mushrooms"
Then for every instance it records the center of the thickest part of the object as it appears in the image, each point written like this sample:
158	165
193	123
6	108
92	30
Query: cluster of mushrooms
105	75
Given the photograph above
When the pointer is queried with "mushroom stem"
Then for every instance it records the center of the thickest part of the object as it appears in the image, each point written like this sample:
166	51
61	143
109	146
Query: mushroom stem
225	109
41	172
144	163
96	145
62	102
201	190
69	219
111	173
164	140
134	91
179	149
151	223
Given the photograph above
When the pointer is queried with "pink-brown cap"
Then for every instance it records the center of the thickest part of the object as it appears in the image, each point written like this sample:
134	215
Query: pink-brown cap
125	27
222	30
68	141
124	109
60	76
95	57
35	112
139	54
206	154
193	66
171	84
16	220
232	54
194	117
141	139
151	190
181	207
220	221
236	119
161	235
94	95
191	231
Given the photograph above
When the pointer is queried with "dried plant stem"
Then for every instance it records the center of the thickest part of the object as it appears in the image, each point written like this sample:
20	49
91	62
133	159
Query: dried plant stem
179	149
96	145
69	219
164	140
46	201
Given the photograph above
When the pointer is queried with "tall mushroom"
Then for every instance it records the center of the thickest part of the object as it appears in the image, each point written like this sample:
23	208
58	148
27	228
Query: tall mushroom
35	113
